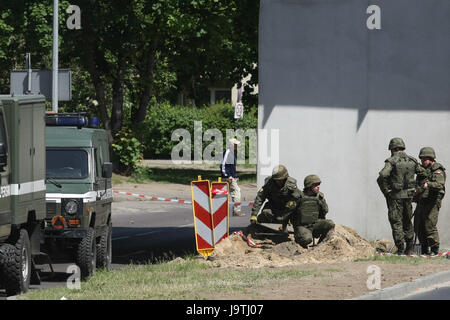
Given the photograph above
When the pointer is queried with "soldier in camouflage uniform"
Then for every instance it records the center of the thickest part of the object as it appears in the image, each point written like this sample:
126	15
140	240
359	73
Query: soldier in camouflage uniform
397	182
282	194
309	217
429	194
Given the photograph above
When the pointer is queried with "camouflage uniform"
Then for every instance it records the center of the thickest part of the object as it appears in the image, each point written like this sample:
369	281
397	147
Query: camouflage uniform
429	201
281	202
397	182
309	218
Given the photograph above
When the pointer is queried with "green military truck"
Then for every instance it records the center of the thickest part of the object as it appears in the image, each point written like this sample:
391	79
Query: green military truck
22	190
79	192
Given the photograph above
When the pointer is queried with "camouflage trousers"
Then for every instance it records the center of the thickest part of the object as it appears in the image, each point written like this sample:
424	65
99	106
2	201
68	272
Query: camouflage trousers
400	215
304	234
235	193
425	222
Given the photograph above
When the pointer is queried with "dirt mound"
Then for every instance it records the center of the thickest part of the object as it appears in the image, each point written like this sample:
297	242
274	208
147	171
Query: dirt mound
341	244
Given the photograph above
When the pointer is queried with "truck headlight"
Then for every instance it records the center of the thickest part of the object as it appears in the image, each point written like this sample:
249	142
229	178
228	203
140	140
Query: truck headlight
71	207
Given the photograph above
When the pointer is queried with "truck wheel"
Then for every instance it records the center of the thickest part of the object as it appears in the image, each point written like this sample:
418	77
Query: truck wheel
104	254
16	271
6	259
87	254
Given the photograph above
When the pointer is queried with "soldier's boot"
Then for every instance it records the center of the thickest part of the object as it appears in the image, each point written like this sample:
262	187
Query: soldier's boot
400	248
434	250
424	249
409	247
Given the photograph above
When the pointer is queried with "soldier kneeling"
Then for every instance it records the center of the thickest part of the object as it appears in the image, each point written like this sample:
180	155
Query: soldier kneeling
281	192
309	217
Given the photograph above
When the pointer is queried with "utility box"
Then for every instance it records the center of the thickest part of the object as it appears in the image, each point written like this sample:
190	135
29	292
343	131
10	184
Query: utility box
26	130
22	191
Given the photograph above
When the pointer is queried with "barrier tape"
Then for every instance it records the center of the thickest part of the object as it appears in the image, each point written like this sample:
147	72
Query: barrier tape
447	254
152	197
243	204
249	241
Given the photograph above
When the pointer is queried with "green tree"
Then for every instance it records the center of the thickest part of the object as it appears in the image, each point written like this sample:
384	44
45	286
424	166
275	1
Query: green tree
128	52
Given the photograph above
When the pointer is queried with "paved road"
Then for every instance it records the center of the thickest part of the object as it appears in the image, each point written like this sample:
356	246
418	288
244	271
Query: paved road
438	292
144	231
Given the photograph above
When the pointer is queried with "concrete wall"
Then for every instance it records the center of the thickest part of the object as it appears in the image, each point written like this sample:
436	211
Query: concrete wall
338	92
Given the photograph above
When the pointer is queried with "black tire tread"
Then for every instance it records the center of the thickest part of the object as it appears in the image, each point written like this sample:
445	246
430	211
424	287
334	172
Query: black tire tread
12	270
102	250
83	256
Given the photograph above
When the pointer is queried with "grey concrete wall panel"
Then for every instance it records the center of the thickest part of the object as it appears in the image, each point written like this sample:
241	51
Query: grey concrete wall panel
337	92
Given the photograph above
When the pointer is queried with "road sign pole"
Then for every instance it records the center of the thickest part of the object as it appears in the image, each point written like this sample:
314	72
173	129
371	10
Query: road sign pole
30	72
55	57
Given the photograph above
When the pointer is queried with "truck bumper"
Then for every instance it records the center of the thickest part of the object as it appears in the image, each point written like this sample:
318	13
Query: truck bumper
64	234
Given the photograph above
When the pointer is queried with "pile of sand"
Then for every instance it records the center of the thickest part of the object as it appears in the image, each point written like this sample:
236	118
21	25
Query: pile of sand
341	244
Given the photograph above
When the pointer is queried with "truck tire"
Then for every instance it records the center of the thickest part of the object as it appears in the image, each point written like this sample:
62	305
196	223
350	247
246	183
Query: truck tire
86	255
16	272
6	258
104	253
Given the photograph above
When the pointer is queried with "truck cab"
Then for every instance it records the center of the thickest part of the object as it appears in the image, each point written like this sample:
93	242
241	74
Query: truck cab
78	192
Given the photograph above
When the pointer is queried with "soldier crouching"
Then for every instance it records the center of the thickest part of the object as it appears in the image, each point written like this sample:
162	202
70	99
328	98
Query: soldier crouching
309	217
281	192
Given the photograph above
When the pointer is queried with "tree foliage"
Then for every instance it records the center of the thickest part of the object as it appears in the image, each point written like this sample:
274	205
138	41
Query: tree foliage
131	52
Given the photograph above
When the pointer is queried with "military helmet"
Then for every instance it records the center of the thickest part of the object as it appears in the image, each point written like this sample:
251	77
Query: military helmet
396	143
280	173
427	152
310	180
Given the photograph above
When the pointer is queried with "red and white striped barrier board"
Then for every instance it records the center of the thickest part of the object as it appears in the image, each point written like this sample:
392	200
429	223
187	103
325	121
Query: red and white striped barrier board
203	219
220	210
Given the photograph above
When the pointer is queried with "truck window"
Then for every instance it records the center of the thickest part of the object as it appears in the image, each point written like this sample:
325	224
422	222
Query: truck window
67	164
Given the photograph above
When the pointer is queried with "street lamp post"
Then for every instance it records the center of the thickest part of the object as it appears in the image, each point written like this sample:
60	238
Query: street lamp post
55	57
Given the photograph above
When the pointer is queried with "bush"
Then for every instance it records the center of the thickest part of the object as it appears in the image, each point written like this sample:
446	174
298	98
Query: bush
127	151
163	119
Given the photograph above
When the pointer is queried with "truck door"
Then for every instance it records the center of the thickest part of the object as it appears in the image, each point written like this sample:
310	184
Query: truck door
5	187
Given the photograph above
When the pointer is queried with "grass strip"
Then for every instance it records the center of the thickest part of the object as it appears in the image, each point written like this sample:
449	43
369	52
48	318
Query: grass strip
188	279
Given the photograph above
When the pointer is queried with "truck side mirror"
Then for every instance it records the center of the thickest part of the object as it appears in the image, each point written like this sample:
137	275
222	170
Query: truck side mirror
3	156
107	170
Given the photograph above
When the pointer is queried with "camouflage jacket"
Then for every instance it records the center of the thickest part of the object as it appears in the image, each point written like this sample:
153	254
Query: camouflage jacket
282	200
435	177
388	179
309	209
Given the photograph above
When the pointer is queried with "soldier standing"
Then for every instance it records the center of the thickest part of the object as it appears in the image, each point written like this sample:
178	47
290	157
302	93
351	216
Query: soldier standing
309	218
397	182
281	192
430	192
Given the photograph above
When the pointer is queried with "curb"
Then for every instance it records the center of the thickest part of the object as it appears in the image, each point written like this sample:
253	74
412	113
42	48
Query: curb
401	290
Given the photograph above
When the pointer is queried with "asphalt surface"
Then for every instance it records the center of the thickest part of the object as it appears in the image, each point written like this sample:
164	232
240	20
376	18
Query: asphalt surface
435	292
143	231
